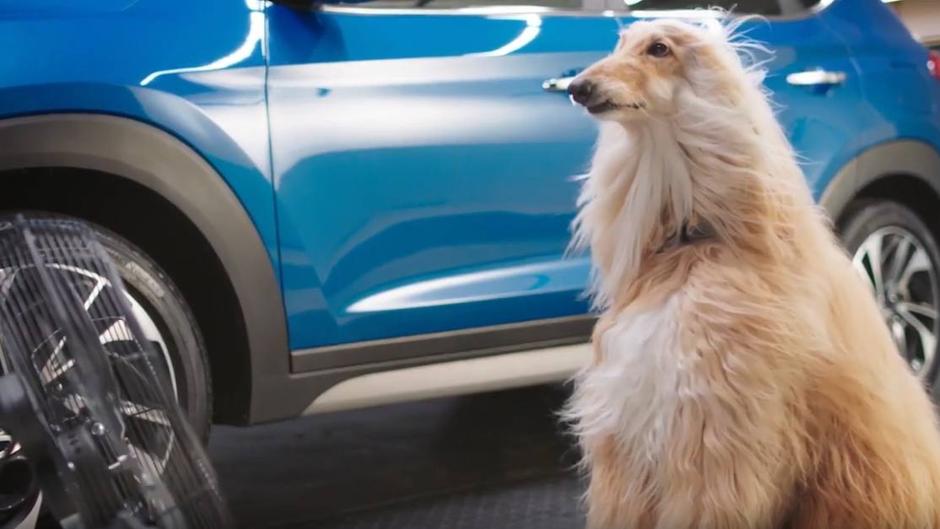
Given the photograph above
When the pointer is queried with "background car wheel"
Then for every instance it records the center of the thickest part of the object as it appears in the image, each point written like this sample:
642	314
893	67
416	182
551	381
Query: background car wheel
168	324
893	248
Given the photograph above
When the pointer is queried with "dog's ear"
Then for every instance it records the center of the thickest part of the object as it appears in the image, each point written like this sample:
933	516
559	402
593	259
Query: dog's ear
702	67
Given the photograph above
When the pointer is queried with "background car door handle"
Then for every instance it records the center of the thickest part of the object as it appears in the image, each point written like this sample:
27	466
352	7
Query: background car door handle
557	84
816	78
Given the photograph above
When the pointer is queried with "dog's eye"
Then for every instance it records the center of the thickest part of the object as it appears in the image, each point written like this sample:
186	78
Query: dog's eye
658	49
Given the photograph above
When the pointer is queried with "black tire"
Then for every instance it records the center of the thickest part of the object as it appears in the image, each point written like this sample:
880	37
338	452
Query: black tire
867	218
150	286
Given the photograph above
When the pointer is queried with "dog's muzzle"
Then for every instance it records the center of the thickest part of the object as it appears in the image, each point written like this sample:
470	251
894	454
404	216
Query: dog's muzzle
584	92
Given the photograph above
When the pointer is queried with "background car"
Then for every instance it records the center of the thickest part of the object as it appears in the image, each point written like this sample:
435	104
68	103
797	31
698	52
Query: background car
319	207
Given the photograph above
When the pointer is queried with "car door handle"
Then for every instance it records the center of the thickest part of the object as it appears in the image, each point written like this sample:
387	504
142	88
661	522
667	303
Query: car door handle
816	78
557	84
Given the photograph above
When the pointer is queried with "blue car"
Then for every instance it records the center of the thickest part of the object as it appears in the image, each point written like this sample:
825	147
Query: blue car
326	206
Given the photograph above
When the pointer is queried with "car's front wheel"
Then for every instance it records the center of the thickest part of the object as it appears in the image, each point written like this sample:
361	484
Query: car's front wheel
897	253
166	322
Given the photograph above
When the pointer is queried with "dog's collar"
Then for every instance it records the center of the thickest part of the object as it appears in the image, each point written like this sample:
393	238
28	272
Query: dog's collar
688	234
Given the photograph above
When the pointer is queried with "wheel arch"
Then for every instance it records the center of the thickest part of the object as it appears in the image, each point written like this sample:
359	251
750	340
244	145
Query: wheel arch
94	160
907	171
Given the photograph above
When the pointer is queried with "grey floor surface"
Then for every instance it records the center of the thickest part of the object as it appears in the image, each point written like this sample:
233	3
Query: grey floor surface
487	461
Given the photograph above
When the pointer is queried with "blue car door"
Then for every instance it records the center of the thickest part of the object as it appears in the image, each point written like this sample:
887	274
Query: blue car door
425	157
424	176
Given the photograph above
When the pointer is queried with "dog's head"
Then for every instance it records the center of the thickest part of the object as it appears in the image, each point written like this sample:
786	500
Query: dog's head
651	66
691	140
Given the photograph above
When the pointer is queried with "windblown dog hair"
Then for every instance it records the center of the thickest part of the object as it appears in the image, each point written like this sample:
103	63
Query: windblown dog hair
746	380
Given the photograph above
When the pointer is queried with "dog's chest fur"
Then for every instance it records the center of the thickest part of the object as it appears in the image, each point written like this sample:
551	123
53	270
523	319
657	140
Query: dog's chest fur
633	391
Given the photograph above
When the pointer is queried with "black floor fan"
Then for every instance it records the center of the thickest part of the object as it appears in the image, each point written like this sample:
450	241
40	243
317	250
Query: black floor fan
85	397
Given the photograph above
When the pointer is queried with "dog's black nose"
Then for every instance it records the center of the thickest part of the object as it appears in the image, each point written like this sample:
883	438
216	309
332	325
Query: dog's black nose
581	91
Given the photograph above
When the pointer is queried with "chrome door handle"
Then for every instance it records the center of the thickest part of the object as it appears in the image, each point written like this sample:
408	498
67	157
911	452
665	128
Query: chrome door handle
816	78
557	84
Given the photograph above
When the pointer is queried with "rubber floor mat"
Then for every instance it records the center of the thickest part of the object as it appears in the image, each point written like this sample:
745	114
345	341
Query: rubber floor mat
551	503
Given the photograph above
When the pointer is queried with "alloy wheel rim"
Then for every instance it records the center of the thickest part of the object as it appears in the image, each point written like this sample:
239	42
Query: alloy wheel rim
897	267
112	331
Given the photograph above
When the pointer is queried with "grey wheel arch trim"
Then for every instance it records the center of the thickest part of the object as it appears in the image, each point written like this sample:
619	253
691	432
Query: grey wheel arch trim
903	157
171	169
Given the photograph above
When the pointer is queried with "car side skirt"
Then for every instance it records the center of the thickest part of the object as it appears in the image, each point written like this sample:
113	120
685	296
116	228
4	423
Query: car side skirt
455	377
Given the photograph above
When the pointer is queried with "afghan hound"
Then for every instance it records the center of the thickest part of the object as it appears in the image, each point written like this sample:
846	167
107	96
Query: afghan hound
743	376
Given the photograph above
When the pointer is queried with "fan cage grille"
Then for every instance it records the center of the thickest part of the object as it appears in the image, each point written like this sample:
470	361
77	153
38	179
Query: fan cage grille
67	330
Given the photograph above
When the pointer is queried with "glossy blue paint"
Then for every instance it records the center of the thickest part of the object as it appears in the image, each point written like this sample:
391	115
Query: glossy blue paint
432	186
416	177
899	98
196	73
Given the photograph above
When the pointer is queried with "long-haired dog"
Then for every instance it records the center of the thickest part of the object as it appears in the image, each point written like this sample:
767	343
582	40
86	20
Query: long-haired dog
742	376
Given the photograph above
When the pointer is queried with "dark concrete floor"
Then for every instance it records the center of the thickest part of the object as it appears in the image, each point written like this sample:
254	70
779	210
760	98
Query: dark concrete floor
484	461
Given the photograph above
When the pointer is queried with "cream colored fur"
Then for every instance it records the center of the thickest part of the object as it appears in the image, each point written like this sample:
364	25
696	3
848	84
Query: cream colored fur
746	381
